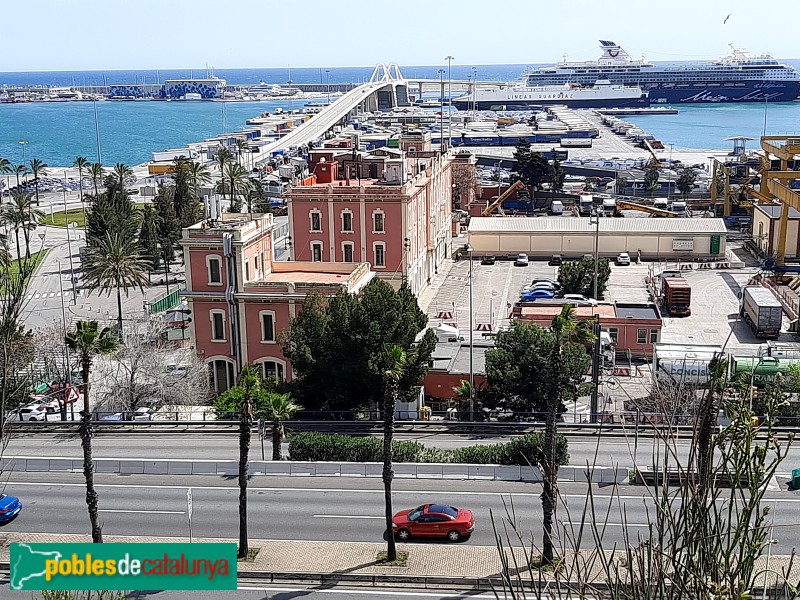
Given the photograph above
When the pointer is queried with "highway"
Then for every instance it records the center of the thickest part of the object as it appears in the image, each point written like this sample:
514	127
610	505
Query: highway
324	509
605	451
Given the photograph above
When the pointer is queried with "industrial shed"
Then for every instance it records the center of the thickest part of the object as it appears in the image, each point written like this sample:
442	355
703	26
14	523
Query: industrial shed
541	237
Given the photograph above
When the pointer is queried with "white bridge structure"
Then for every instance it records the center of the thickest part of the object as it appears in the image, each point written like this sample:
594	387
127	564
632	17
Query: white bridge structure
386	89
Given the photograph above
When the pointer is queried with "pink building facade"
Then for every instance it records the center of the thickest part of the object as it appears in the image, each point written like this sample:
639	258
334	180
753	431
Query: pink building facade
390	208
241	301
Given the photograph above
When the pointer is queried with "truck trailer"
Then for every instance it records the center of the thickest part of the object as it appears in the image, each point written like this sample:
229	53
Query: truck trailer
761	310
676	296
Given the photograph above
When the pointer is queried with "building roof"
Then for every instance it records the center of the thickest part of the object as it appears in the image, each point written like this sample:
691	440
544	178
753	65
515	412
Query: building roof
636	311
773	211
536	310
534	225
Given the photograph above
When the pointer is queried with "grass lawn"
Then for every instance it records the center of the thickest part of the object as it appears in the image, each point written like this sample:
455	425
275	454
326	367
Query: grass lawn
36	257
74	215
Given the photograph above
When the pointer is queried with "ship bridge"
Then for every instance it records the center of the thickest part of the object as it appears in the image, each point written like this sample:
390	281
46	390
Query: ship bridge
386	89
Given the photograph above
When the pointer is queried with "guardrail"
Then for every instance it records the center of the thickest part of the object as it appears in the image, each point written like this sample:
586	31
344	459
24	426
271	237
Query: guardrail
288	468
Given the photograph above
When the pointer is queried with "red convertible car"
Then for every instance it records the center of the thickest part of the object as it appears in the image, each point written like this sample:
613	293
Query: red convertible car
434	520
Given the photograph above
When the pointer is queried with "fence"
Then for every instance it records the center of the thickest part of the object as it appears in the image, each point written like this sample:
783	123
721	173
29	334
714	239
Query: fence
165	302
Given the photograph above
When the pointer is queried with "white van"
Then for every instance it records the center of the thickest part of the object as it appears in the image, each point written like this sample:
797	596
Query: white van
556	207
609	207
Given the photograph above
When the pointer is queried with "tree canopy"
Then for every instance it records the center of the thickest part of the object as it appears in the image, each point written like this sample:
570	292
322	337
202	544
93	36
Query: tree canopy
577	276
532	168
339	346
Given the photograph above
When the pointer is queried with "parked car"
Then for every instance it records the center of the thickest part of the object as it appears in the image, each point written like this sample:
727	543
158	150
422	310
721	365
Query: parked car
142	413
555	260
539	286
623	258
580	299
434	521
488	260
521	261
540	294
33	412
10	507
587	257
551	282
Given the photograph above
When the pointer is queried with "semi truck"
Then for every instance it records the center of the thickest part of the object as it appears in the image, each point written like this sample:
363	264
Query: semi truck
761	310
585	205
676	296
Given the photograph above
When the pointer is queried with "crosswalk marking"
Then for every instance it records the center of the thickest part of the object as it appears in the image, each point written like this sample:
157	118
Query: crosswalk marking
37	296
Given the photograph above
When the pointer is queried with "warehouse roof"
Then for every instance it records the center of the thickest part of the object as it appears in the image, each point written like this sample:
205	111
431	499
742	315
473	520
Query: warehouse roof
533	225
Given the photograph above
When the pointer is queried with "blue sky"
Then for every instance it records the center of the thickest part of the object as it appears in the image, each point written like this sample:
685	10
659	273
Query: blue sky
42	35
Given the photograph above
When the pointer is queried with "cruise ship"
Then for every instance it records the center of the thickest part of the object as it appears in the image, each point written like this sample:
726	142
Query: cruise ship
598	94
737	77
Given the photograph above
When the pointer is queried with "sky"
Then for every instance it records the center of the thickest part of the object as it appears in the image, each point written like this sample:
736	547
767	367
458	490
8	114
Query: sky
60	35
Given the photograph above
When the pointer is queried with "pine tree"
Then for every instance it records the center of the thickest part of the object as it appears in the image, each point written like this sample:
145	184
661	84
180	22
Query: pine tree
148	237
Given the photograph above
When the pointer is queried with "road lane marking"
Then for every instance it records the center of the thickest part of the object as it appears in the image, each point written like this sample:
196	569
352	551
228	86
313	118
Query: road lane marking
142	512
346	517
601	525
370	592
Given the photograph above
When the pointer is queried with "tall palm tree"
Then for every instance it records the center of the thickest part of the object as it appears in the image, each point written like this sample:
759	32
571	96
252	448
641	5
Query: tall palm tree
116	264
95	171
242	146
21	215
82	163
566	329
257	195
5	168
235	181
20	170
38	169
88	341
122	173
250	383
221	159
392	373
278	408
5	254
198	175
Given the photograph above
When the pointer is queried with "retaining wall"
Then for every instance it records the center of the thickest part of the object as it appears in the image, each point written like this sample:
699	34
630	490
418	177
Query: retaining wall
309	469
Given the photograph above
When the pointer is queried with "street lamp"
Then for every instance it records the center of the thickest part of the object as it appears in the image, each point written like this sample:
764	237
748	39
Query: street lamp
475	89
449	58
469	90
468	249
669	183
67	365
23	143
328	80
594	408
441	110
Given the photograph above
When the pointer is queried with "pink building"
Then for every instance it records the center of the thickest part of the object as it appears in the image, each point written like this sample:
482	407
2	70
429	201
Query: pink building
390	208
241	301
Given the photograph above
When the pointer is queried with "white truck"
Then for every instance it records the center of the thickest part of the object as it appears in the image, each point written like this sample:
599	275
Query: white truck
761	310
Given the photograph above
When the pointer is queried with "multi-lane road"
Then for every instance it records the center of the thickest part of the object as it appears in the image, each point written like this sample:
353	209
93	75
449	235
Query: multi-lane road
326	509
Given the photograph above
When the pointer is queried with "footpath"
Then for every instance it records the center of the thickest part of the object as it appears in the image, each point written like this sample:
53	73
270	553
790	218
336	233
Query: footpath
439	565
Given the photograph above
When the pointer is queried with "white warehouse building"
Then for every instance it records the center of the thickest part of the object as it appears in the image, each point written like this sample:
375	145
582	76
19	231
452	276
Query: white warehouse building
572	237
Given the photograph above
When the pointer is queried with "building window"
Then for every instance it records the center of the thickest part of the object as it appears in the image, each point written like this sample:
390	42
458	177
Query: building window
613	333
220	375
214	265
347	221
641	336
380	255
316	252
255	264
316	220
347	253
653	336
247	270
267	318
377	222
272	368
217	325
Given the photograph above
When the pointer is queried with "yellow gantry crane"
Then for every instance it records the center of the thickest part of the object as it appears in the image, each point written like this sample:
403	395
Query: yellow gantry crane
651	210
497	204
773	183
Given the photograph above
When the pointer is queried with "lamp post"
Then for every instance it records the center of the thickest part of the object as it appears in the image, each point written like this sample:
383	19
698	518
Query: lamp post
468	249
67	366
449	58
328	80
669	182
469	90
594	408
475	89
441	110
23	143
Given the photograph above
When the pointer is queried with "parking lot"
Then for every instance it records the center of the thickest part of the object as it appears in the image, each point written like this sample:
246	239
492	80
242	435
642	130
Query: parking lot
715	310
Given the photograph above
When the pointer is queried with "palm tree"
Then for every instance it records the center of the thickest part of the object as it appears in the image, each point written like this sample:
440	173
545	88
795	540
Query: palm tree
198	175
277	408
235	181
21	215
5	254
116	263
566	330
250	383
20	170
88	341
122	173
95	171
257	195
222	158
392	373
38	169
5	168
242	146
82	163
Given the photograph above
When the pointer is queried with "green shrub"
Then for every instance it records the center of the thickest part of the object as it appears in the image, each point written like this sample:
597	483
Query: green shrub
522	450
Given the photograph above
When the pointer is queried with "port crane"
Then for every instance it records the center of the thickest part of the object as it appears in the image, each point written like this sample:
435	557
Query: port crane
497	204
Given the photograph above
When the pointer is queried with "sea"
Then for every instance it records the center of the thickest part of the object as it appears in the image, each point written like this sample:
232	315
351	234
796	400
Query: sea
57	132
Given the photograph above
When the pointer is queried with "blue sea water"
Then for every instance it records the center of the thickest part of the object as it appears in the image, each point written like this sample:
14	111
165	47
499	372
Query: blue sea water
130	131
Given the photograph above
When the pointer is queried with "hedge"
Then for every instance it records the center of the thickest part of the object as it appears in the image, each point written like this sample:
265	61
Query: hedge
522	450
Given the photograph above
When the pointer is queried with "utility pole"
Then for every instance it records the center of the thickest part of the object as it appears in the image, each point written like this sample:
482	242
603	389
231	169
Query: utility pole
449	58
594	408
